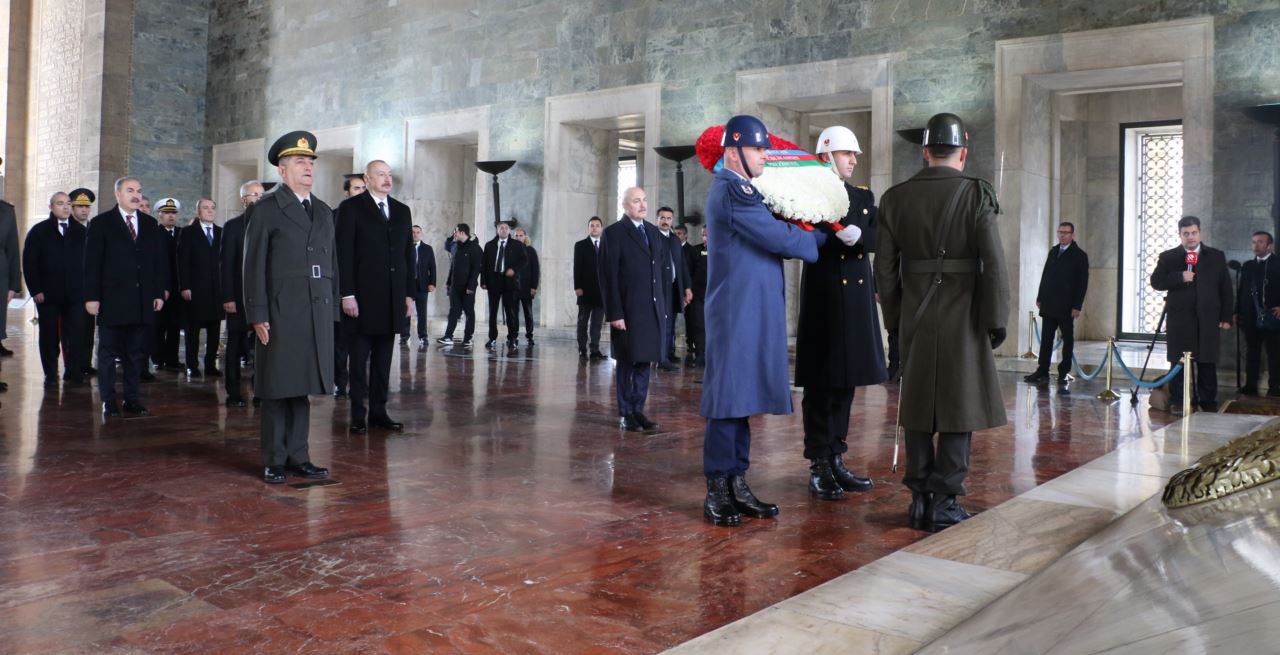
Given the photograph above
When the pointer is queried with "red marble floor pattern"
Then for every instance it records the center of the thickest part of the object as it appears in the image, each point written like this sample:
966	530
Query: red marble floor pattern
511	516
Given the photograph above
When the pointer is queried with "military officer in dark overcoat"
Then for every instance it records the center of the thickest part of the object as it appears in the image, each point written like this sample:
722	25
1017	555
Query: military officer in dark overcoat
838	339
944	286
291	300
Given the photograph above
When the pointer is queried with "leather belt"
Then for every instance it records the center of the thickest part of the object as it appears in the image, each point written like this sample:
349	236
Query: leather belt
945	266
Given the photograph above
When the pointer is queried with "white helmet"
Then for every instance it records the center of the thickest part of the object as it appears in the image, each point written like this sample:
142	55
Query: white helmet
837	138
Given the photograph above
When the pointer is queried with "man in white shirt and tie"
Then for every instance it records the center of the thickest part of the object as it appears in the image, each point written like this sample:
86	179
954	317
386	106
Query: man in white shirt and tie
53	264
424	282
586	286
503	257
199	282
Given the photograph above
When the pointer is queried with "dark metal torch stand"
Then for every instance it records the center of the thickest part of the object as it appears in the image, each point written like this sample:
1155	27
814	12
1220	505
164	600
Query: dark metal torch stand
677	154
494	168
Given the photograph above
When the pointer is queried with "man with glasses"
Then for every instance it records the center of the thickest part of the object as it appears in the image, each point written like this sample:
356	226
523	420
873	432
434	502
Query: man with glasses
1062	287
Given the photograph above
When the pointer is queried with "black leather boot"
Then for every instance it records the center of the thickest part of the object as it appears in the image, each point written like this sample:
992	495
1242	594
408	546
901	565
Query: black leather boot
943	512
915	512
846	478
746	502
822	484
718	508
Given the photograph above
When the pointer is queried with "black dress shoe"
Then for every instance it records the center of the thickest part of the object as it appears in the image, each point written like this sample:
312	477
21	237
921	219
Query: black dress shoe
235	402
667	366
193	372
822	484
212	371
718	508
1037	377
359	427
488	345
746	502
1209	407
846	478
89	370
915	511
530	340
700	362
273	475
598	355
1249	390
257	402
582	356
644	421
943	512
136	409
110	409
629	423
386	424
51	383
339	395
4	386
5	352
308	470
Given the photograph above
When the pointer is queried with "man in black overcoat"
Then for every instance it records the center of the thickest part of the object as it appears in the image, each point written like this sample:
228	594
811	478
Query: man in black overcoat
375	272
1257	314
838	345
53	265
1199	305
586	286
503	259
1063	283
530	277
82	200
464	273
694	314
125	281
163	340
199	286
676	271
352	186
232	289
424	283
637	297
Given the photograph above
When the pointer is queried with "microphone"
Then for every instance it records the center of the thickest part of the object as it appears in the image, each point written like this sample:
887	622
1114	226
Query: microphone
1233	265
1192	258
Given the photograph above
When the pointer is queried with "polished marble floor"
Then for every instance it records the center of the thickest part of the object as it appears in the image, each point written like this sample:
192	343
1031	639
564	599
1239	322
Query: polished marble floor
511	516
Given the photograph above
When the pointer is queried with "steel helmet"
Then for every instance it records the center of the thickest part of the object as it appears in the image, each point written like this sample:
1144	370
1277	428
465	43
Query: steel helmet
945	130
837	138
745	132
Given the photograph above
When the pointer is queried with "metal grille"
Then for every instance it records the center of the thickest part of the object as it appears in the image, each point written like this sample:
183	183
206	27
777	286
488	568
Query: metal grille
1159	204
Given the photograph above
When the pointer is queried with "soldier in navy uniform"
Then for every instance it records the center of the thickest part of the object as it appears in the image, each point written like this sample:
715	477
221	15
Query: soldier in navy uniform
1257	296
746	315
838	345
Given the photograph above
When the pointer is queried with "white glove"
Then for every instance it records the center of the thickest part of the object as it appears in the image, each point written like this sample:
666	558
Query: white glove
849	235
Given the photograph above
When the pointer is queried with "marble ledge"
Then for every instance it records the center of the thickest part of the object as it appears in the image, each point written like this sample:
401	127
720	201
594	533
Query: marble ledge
776	631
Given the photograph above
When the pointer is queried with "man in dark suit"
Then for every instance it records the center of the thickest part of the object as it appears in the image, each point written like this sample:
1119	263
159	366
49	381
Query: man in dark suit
352	185
530	277
232	289
1062	287
199	283
637	297
424	282
10	266
1199	304
586	286
695	317
53	263
162	341
503	258
832	362
376	274
125	281
81	210
464	272
681	293
290	266
1257	314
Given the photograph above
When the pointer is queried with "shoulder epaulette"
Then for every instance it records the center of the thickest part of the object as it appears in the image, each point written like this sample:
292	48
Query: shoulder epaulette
988	192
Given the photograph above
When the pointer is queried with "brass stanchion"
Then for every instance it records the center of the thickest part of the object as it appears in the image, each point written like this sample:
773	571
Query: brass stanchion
1107	395
1187	381
1031	335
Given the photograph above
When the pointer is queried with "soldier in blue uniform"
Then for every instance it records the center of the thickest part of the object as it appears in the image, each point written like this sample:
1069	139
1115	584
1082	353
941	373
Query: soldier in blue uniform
838	344
746	320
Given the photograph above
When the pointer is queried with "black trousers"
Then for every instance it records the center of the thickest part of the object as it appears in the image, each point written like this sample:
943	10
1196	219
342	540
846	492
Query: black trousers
370	374
942	471
506	294
590	318
128	343
231	361
525	303
60	328
163	343
631	381
695	328
461	302
341	354
1255	340
210	329
285	428
826	421
1206	381
420	308
90	324
1049	326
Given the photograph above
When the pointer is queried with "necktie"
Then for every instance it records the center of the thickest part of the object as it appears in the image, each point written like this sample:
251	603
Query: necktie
133	231
208	233
644	235
417	261
62	228
306	205
595	243
382	207
502	247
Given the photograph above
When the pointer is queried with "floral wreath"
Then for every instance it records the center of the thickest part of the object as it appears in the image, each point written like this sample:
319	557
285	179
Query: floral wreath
797	186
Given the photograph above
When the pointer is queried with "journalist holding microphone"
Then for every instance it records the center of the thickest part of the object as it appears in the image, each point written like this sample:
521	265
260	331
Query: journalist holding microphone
1199	304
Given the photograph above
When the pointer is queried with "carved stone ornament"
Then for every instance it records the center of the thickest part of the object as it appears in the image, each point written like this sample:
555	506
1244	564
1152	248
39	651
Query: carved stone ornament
1246	462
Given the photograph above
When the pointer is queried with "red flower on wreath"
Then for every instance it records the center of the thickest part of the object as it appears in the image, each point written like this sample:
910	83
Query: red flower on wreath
710	151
